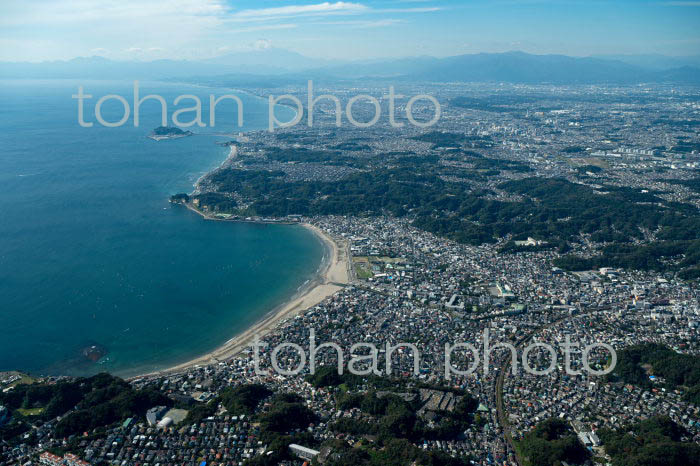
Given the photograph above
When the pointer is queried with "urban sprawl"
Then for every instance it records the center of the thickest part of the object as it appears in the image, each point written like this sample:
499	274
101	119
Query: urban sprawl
418	213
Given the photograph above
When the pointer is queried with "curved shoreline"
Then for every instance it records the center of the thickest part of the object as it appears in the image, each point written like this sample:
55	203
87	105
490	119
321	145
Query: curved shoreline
331	276
127	363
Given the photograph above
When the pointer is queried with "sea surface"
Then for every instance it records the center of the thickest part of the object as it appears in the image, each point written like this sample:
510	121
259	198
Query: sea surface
91	251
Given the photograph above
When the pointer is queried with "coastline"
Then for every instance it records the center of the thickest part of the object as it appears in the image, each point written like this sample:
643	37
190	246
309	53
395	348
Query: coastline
171	180
232	154
331	276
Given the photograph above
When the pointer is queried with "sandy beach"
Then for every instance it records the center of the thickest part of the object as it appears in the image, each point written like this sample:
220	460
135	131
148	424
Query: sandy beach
331	276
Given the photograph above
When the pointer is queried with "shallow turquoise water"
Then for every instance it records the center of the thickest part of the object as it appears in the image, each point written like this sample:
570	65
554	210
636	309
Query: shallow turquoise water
91	252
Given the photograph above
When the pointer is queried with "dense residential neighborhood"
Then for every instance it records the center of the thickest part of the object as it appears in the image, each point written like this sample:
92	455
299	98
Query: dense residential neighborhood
414	278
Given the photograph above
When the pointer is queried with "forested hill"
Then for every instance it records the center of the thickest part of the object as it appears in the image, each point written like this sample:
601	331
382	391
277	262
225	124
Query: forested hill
655	441
84	404
672	370
554	210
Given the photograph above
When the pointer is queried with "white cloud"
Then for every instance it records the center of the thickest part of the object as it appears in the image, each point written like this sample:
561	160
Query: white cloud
319	9
427	9
75	27
361	24
268	27
262	44
324	8
63	29
18	12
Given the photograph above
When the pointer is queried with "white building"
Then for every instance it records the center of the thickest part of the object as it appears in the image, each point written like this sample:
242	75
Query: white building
303	452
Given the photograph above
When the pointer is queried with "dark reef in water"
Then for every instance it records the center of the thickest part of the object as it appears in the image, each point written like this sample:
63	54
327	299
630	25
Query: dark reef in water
94	352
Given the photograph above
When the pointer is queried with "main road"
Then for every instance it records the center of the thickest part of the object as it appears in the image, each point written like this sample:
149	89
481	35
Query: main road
501	412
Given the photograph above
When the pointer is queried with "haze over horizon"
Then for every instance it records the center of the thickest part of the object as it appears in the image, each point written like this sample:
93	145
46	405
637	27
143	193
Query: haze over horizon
343	30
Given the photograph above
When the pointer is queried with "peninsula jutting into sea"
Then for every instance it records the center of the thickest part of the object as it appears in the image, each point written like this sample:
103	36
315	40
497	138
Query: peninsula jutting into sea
114	264
374	233
430	238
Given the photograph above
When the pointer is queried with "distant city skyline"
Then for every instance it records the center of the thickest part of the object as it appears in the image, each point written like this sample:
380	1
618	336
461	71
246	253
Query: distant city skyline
343	30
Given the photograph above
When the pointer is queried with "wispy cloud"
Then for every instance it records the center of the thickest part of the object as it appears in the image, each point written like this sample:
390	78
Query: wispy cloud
410	10
267	27
74	27
16	12
66	28
319	9
325	8
362	24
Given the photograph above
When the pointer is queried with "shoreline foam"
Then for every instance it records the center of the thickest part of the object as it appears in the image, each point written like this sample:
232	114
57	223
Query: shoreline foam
331	276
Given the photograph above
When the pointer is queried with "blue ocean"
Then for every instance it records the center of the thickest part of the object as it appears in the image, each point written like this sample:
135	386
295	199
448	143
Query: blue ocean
92	252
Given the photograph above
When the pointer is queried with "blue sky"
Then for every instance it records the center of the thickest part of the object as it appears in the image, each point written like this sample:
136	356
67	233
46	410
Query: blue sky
34	30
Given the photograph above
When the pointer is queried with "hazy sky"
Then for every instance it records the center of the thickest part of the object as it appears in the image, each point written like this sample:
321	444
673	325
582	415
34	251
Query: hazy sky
147	29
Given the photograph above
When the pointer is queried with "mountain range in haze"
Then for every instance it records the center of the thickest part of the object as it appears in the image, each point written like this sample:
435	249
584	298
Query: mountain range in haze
512	67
